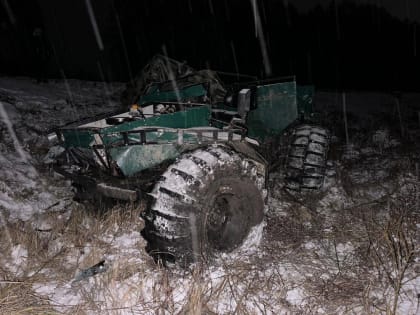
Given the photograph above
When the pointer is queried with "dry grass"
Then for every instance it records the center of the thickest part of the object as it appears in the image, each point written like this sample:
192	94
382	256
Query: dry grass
379	259
54	255
349	260
354	259
17	297
393	249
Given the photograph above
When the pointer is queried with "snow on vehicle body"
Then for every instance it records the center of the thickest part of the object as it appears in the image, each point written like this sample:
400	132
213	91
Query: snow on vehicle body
199	162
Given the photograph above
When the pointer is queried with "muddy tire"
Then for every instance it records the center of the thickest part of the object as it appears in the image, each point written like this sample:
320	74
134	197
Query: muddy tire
306	158
205	203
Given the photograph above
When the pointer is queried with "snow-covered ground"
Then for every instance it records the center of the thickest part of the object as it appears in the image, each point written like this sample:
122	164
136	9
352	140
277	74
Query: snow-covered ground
351	248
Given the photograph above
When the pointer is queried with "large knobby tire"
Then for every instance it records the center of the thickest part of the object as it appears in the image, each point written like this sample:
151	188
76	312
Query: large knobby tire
306	158
205	203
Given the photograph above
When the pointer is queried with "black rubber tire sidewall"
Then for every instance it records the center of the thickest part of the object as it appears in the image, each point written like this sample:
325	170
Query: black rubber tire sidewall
249	211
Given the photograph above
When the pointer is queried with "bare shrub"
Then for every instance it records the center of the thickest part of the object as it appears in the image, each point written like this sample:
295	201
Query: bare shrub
392	248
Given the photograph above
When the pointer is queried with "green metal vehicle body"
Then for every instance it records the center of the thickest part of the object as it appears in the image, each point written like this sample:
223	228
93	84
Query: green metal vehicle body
122	146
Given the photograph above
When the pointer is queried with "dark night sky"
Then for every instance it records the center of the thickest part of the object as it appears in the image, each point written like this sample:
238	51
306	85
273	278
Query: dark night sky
402	9
369	44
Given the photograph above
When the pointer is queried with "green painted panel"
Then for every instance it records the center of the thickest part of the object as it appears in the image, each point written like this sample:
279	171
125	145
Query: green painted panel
276	109
155	95
155	137
77	138
305	94
192	117
135	158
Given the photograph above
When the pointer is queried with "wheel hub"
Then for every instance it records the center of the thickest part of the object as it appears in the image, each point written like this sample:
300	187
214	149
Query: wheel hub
220	221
